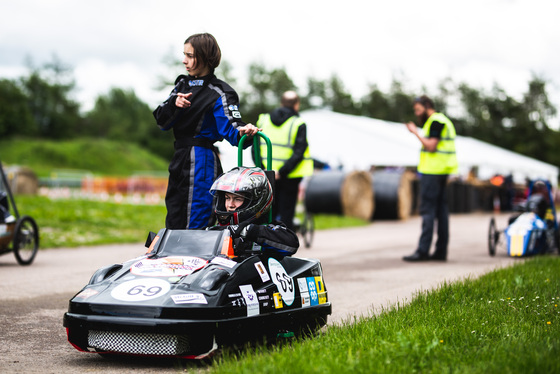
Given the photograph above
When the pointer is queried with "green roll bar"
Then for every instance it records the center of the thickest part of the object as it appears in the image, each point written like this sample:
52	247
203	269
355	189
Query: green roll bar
256	150
257	154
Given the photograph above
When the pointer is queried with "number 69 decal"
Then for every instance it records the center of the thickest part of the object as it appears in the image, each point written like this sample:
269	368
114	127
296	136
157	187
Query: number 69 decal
140	289
282	280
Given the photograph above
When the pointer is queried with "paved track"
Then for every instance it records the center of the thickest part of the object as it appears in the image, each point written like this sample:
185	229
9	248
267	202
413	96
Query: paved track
362	267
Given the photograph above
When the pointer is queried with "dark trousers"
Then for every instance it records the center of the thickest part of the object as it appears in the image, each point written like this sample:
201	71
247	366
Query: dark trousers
285	200
433	206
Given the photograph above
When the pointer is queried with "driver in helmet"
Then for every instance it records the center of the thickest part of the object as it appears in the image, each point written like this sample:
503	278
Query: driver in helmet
243	200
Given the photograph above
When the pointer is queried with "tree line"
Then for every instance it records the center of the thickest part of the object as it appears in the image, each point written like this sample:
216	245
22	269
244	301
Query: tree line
40	104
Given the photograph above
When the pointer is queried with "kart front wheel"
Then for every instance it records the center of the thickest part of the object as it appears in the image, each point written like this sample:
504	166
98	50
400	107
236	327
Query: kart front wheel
493	236
26	240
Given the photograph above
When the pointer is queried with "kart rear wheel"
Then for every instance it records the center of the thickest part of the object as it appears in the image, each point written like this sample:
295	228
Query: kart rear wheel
26	240
308	229
493	236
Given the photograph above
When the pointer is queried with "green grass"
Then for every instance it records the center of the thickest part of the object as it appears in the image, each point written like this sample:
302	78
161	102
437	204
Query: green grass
329	221
70	223
99	156
507	321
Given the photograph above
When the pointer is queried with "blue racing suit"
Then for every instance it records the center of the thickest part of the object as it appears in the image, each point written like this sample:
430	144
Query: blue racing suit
213	116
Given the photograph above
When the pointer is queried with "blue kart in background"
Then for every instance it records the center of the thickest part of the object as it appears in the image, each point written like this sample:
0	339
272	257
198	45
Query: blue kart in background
533	229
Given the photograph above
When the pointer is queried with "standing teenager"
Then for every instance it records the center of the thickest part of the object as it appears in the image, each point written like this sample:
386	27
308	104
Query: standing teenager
201	110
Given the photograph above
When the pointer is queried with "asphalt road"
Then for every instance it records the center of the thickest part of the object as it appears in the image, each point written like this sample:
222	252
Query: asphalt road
363	272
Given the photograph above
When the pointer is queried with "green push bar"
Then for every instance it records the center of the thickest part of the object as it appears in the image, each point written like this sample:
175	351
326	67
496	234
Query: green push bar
257	153
256	147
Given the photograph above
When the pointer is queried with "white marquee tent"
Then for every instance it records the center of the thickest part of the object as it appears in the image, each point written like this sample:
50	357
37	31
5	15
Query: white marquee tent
355	142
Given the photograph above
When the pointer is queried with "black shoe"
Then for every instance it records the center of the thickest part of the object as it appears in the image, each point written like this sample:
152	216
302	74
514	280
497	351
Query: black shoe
436	257
416	257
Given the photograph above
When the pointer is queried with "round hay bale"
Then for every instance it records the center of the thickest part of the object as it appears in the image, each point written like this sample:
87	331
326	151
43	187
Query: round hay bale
22	180
338	192
393	194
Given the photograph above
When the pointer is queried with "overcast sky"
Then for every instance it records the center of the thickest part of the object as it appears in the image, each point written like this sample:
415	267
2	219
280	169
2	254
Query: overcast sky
122	43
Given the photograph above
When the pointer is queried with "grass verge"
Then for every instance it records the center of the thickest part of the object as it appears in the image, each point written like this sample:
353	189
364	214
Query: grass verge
71	223
504	322
99	156
328	221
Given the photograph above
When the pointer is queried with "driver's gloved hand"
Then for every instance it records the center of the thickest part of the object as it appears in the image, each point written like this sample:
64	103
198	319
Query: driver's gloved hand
240	231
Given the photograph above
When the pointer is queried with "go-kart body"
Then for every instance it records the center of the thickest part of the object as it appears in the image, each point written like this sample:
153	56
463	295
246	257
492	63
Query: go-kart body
189	295
526	235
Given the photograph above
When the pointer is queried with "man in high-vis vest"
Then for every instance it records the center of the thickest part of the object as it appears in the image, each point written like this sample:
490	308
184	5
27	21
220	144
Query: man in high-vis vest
437	161
290	154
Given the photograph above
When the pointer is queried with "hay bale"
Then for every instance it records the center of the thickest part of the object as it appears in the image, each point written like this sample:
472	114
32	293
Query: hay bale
393	194
22	180
337	192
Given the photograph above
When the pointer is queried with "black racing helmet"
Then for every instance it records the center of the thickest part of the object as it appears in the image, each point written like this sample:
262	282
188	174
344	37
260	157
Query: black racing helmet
250	183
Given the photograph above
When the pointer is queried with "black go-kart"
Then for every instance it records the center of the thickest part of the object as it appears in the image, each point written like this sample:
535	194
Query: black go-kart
18	234
189	295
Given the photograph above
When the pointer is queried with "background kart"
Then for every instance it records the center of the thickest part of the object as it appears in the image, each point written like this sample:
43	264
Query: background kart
532	231
18	234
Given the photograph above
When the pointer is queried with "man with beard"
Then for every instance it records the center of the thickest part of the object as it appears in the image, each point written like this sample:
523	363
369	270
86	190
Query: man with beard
437	161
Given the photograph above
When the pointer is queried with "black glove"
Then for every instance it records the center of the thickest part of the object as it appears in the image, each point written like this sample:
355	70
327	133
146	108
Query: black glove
240	231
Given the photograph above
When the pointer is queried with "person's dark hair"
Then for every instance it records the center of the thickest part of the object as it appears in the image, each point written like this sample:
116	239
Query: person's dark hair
206	50
425	101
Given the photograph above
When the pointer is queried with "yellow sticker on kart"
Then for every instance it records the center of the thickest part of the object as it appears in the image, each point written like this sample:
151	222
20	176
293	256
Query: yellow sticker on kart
277	300
516	245
321	290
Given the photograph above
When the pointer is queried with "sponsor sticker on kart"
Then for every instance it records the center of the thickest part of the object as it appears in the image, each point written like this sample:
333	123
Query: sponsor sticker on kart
314	296
317	293
189	298
224	262
174	266
282	280
250	299
141	289
321	290
277	300
88	292
304	292
262	271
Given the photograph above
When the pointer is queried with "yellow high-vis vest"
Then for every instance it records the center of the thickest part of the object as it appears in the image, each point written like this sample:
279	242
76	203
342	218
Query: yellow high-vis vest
444	160
283	138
